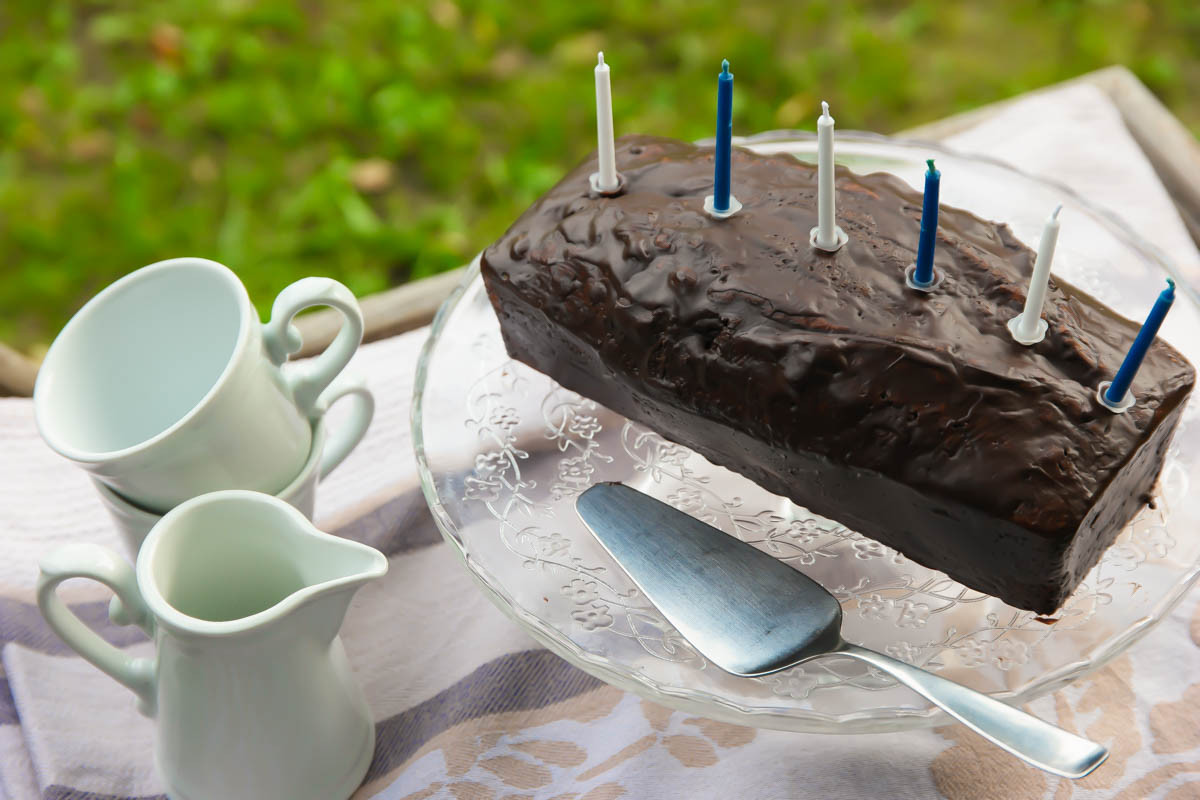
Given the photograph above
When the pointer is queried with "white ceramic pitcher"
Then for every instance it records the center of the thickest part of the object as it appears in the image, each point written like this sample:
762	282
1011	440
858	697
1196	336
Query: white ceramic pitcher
249	684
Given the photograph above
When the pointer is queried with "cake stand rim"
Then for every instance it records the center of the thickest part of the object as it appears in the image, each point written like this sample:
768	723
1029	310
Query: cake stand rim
874	720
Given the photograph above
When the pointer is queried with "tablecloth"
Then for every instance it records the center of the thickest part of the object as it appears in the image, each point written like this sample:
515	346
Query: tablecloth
468	707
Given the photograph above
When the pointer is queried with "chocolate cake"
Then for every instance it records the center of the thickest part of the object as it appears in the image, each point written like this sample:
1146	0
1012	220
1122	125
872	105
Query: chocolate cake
912	418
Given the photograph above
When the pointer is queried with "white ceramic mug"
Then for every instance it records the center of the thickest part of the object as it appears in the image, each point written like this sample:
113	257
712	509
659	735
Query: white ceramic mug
166	385
329	448
249	684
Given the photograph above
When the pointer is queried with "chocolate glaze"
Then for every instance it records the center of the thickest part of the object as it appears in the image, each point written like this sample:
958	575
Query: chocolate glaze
913	418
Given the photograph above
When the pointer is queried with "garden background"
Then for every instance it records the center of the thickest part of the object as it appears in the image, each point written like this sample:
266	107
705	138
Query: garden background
379	141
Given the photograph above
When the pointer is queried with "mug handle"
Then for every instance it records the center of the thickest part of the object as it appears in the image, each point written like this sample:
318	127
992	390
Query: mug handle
103	565
346	438
309	379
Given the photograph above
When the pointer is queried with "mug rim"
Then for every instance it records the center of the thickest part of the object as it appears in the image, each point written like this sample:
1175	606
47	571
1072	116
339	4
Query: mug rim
80	317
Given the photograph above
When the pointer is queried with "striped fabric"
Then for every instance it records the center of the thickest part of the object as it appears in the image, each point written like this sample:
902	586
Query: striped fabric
469	708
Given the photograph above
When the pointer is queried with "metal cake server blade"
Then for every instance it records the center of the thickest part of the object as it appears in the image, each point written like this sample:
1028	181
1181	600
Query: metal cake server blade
751	615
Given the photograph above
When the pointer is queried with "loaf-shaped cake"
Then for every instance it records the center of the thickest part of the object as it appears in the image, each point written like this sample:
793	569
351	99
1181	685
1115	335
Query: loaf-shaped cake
911	417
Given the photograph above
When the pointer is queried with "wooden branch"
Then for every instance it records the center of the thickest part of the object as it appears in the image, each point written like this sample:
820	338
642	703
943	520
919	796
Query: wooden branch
17	373
1172	149
385	314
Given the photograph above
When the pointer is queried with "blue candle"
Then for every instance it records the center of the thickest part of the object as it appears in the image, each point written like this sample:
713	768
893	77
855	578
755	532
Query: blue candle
724	138
923	276
1115	393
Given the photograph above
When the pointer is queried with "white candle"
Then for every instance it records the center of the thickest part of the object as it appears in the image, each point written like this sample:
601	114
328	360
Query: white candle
827	235
605	179
1028	327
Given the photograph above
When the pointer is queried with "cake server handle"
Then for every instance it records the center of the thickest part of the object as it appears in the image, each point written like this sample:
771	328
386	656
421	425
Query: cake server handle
1025	736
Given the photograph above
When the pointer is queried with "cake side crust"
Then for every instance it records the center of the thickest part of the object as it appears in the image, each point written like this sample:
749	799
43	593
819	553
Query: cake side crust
991	556
809	360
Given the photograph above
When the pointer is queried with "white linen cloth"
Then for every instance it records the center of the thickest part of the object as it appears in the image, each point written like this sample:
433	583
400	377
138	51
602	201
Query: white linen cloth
469	707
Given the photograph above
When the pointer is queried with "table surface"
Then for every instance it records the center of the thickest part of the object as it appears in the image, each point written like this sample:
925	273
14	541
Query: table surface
467	706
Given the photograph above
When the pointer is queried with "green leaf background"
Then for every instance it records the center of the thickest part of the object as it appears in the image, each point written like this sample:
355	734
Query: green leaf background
380	141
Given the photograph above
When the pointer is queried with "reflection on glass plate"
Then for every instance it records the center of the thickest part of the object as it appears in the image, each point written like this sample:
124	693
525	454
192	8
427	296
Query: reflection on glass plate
503	452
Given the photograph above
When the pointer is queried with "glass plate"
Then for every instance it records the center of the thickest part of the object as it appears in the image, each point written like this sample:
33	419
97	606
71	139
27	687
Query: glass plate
503	451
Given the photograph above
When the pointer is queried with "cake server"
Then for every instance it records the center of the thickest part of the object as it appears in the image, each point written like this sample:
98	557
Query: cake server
752	615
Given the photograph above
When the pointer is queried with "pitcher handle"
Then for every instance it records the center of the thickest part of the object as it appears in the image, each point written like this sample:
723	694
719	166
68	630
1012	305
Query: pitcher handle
346	437
103	565
308	380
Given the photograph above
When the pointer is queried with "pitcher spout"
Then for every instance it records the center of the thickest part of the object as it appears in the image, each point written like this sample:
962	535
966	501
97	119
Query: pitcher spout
236	560
332	564
335	569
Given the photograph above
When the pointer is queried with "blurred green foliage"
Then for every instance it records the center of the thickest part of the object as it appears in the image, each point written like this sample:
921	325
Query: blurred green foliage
377	141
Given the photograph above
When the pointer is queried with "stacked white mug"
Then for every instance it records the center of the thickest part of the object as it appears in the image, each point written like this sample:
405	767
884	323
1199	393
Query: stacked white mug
165	386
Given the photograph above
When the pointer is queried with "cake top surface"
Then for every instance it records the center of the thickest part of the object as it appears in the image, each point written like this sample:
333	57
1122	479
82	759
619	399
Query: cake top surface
739	315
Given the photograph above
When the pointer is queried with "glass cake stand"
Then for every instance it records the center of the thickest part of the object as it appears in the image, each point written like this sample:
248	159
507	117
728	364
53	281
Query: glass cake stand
503	451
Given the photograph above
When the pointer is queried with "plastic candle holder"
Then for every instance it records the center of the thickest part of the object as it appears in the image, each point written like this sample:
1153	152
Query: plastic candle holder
827	236
721	203
1115	394
921	274
606	180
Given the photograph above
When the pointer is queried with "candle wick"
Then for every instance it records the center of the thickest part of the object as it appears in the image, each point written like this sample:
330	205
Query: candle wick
725	66
932	168
824	109
1171	283
1056	210
600	59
